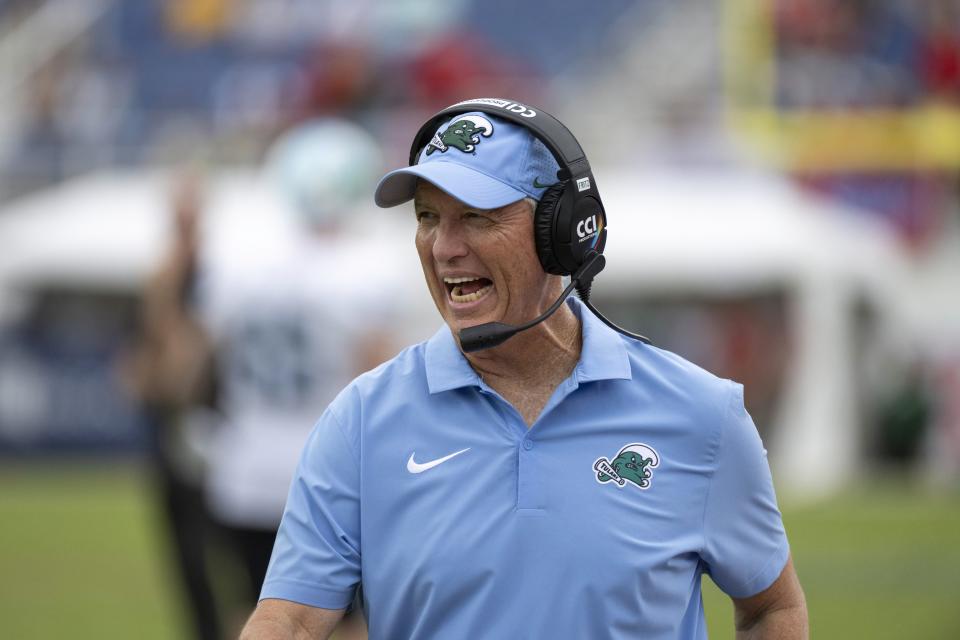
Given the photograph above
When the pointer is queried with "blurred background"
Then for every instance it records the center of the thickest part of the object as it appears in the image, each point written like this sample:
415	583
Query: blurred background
781	180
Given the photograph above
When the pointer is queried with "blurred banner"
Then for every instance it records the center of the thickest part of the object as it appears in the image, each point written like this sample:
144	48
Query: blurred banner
830	85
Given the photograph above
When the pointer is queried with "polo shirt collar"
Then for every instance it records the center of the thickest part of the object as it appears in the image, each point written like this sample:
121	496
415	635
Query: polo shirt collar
447	367
603	357
604	354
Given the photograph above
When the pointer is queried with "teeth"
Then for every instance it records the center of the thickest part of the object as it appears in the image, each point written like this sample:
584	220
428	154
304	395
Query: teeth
459	280
470	297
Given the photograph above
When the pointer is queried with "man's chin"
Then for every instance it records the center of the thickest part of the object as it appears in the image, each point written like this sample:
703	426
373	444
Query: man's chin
459	324
461	316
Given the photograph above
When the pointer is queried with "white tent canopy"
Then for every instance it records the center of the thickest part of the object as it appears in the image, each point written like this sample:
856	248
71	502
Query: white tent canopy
109	229
723	231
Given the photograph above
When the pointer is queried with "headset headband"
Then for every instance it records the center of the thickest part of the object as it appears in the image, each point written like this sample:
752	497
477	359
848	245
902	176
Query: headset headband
550	131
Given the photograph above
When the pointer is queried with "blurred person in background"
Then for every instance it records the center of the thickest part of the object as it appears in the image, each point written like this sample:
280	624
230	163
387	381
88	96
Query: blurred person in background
569	483
940	51
171	374
287	331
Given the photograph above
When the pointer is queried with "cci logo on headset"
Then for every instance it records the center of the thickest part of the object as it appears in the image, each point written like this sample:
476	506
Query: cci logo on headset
587	227
514	107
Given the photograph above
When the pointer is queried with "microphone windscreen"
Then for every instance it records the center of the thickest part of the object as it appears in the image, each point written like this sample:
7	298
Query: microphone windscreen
485	336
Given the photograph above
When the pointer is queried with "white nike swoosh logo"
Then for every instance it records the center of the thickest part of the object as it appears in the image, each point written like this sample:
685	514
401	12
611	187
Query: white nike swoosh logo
416	467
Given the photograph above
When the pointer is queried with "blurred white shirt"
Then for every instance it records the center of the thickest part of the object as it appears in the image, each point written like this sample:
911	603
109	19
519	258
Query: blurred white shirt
286	321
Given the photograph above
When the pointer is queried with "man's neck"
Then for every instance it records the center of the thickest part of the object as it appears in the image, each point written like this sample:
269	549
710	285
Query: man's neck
526	369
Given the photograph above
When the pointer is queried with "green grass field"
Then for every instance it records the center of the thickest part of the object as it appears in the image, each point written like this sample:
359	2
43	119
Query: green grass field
80	558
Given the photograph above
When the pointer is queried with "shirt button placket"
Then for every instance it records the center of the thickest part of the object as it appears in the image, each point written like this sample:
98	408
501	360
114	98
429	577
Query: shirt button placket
528	494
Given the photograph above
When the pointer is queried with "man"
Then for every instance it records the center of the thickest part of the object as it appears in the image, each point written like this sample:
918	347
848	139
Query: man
569	483
266	336
287	333
169	375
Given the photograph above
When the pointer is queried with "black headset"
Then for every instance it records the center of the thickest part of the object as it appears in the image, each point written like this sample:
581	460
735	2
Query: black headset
569	221
570	224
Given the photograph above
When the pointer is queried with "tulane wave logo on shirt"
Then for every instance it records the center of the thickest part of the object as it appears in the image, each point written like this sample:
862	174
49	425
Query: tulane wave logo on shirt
634	463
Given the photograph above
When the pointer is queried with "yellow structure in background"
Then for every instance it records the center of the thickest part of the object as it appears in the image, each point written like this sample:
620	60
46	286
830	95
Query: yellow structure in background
925	137
198	20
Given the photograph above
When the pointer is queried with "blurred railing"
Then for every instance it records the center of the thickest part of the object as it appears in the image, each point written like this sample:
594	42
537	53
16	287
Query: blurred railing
28	45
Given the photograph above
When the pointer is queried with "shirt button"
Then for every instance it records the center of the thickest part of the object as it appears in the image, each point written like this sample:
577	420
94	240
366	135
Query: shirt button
527	444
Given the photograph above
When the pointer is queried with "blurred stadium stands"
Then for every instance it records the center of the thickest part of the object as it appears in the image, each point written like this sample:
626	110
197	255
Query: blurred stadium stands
134	83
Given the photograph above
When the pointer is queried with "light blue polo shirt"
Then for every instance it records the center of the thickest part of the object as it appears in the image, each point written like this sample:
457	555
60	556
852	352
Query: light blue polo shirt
642	473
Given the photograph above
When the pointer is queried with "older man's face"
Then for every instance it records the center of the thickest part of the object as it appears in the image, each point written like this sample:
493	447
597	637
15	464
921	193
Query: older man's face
480	265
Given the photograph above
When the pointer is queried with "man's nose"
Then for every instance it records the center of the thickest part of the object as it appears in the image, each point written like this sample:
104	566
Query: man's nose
450	242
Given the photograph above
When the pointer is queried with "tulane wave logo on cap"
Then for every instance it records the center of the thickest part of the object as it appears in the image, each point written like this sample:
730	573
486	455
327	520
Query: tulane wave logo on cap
634	463
463	134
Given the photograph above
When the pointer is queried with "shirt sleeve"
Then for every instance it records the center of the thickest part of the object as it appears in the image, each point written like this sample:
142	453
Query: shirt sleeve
745	545
316	556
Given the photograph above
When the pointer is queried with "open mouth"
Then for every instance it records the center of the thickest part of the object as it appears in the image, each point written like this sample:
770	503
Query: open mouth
467	289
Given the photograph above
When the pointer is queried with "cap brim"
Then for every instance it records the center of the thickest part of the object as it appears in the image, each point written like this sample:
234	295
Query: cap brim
471	187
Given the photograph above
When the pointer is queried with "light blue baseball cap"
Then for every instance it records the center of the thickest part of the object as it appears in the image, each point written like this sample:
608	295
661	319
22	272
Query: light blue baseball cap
483	161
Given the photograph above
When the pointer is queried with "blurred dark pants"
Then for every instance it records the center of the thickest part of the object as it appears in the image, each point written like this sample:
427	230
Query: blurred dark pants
188	527
251	548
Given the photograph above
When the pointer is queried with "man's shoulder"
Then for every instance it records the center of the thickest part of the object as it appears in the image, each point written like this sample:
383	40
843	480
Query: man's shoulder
668	373
405	368
401	377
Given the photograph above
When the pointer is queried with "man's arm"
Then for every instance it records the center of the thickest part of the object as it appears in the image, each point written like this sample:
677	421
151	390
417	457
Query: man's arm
172	364
779	612
285	620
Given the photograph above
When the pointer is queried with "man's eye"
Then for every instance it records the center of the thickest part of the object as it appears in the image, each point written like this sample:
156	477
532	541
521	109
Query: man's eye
473	215
425	216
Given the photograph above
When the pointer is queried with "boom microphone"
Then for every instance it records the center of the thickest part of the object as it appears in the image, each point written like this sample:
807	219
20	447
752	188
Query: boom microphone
491	334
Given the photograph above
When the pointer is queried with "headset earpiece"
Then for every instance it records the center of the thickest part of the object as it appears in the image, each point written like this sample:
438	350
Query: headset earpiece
544	221
566	229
